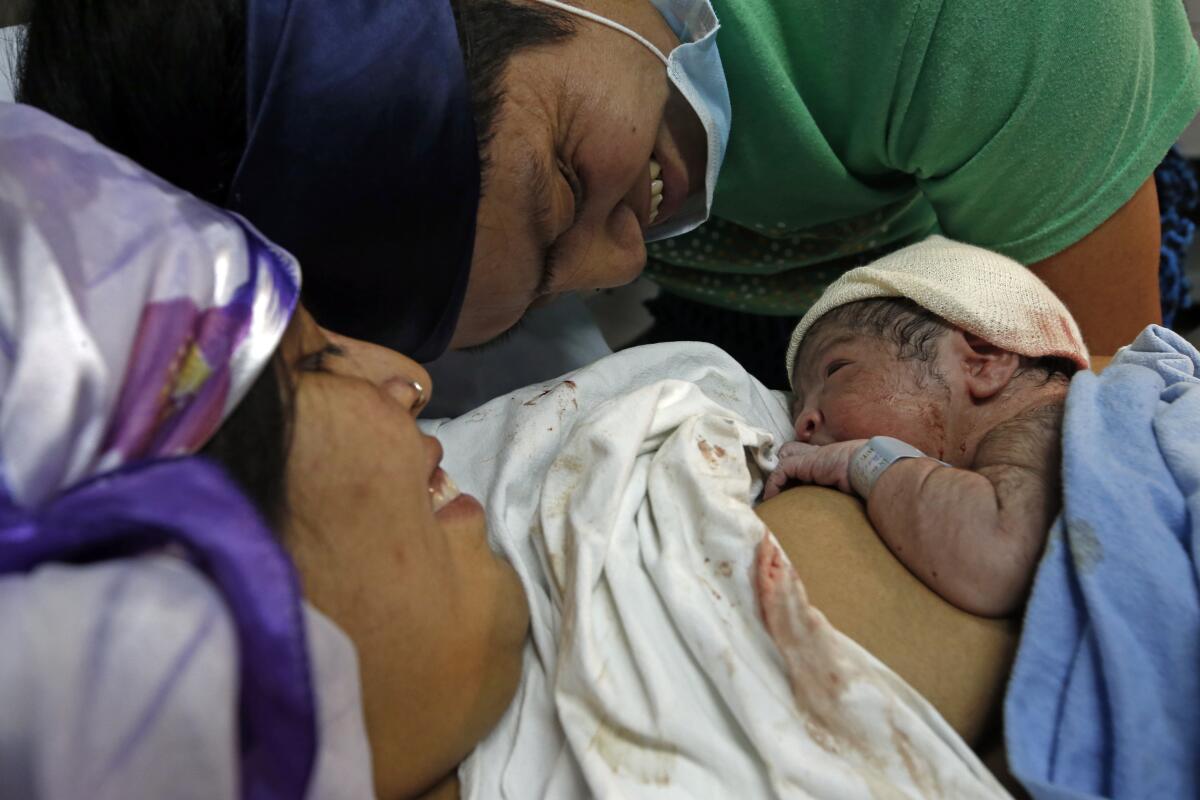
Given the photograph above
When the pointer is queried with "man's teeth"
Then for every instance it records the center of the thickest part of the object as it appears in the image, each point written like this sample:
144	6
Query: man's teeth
443	492
656	188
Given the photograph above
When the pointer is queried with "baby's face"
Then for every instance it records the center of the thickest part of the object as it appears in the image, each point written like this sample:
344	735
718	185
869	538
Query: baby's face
854	386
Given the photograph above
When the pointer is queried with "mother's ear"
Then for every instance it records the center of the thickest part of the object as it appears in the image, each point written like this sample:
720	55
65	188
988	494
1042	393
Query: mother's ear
986	368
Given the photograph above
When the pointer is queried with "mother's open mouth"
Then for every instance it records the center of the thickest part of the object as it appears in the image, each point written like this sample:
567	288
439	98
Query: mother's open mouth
442	490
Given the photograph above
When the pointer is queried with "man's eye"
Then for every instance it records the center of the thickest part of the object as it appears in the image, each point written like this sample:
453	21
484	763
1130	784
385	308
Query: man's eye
576	187
834	366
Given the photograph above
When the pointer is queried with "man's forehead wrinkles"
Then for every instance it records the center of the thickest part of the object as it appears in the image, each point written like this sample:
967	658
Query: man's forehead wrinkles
529	108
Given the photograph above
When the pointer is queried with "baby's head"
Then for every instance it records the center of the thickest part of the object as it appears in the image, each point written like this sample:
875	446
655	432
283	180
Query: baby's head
933	344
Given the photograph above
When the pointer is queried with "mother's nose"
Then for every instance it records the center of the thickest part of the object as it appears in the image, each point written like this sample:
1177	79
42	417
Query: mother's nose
397	374
411	388
807	424
404	379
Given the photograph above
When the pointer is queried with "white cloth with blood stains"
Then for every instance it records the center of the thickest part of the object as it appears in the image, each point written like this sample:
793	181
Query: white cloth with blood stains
623	495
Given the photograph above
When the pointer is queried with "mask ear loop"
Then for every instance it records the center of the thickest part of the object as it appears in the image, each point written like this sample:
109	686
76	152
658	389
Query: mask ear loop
616	26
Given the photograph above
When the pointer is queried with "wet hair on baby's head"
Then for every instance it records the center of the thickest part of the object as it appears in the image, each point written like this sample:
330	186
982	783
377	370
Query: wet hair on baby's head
911	329
900	322
897	320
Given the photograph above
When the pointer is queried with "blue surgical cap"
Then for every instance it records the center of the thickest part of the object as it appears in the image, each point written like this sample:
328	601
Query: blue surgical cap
362	161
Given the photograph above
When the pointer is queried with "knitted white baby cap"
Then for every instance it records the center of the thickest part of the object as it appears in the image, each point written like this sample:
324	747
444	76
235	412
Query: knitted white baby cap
979	291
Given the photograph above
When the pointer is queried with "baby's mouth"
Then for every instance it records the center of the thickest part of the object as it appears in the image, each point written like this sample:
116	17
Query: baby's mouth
656	189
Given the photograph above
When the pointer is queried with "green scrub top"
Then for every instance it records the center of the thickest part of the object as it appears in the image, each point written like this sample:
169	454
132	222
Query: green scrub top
862	124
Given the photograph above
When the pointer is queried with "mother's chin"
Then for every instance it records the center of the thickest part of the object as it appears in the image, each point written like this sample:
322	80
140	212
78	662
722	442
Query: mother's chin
482	700
431	697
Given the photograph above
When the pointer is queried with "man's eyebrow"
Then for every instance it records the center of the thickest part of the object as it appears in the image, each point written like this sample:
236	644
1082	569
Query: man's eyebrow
536	176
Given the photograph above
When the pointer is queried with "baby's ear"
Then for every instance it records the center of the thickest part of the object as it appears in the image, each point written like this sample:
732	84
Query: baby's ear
986	368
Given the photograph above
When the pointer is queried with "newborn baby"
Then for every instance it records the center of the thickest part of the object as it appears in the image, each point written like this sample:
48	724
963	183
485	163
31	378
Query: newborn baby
931	383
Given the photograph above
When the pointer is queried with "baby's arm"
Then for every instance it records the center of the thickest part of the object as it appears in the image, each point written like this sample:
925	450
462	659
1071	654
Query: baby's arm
973	536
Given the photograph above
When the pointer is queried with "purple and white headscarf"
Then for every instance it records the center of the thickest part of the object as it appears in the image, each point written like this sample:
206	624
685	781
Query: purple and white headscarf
133	319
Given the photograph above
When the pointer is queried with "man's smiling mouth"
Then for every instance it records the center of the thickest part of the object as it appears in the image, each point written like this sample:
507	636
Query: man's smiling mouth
656	189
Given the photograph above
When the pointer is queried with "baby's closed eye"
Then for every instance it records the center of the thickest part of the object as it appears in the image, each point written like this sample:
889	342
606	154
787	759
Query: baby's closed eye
834	366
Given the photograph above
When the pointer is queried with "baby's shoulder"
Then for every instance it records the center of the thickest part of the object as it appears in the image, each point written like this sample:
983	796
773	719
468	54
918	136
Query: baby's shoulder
1031	441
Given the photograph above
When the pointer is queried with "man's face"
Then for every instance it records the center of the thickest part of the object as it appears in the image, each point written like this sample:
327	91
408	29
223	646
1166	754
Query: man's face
569	193
855	386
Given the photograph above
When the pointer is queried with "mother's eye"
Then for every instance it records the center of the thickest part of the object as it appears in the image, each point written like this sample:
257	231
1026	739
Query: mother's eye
315	361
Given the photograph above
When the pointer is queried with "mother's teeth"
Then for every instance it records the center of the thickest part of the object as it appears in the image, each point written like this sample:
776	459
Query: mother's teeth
656	189
443	492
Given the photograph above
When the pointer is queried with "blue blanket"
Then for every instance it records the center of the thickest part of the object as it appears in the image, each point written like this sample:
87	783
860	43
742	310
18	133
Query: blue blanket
1104	699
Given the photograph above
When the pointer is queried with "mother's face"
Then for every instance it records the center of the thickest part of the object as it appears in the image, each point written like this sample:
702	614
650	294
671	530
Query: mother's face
387	550
567	197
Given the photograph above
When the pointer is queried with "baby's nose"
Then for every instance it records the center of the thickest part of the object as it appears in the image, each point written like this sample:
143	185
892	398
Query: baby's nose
807	423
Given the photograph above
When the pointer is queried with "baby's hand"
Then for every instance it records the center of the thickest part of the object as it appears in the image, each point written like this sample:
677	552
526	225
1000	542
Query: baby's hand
827	465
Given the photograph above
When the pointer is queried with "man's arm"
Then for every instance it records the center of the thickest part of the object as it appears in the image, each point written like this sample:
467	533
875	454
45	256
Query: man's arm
1109	278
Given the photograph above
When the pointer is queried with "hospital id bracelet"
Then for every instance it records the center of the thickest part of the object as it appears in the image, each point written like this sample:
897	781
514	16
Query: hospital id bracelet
874	457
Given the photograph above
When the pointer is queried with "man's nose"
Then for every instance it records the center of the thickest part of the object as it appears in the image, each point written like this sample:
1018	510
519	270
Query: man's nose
608	247
605	262
807	424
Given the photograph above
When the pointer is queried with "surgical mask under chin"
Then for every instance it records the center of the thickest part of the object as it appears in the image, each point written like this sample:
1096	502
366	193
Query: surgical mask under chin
694	69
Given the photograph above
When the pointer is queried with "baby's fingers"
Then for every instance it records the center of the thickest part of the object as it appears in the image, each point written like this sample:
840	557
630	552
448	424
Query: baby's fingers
791	469
774	483
796	448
